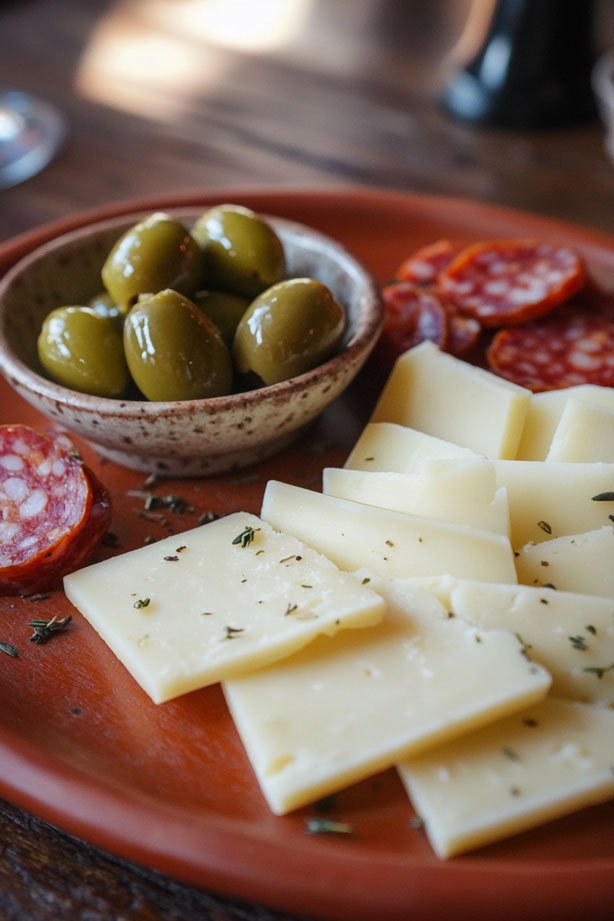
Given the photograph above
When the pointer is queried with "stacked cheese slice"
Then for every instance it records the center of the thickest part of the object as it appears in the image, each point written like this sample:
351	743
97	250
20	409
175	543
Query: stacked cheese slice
466	681
423	516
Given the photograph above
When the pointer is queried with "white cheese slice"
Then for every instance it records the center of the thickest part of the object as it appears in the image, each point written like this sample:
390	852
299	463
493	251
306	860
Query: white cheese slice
575	563
216	601
345	708
386	446
444	396
554	499
528	769
458	492
585	433
544	414
389	543
572	635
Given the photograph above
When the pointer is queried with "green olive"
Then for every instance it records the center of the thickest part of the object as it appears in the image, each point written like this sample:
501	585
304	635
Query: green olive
291	328
243	254
174	351
156	253
223	309
82	350
104	305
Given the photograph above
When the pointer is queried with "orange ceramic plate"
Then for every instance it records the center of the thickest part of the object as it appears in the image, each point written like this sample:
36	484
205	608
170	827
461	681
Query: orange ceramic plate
170	786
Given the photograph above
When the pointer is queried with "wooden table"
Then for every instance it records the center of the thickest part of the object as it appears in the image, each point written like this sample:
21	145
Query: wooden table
343	93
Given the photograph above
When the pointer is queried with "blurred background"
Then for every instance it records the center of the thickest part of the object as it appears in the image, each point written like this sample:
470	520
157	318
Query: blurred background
180	95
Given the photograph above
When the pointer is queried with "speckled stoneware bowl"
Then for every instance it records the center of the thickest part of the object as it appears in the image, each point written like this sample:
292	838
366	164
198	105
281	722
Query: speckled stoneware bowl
191	437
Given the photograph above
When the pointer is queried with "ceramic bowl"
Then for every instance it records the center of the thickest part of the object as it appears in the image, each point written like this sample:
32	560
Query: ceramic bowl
191	437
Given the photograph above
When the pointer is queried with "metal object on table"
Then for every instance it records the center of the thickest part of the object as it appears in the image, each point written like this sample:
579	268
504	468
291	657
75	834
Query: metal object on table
31	132
532	69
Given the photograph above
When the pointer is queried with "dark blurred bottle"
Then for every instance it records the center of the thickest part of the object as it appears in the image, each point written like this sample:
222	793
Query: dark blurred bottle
533	69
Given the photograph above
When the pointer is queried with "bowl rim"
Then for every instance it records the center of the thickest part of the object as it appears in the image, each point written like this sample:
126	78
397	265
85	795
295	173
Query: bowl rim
370	323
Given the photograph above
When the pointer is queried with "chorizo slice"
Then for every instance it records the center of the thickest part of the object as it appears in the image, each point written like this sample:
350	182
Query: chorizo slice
510	282
46	499
574	345
463	334
412	315
425	264
90	537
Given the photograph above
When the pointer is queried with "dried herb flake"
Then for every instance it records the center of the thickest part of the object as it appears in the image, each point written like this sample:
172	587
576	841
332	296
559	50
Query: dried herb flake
318	826
245	538
599	670
44	629
231	633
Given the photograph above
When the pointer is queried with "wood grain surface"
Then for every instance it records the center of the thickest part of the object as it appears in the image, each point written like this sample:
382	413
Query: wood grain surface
158	99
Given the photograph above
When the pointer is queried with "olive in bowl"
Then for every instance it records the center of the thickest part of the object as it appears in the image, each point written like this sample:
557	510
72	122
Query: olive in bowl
195	436
155	253
242	252
289	329
174	351
82	349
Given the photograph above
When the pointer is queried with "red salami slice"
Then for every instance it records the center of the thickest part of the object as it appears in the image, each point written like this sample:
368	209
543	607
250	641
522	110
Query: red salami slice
45	503
413	314
88	540
507	282
573	346
423	266
463	333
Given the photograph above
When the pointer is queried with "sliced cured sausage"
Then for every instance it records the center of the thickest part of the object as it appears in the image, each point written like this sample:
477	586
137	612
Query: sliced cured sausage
424	266
89	538
463	333
508	282
47	503
412	314
574	345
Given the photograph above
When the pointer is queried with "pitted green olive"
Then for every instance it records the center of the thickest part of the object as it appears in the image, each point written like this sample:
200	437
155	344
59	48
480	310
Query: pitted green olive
82	350
291	328
174	351
156	253
225	310
243	254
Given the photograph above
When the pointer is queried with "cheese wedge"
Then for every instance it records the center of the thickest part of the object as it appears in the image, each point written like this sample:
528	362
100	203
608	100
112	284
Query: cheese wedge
532	767
216	601
345	708
444	396
389	543
386	446
585	434
575	563
544	414
459	492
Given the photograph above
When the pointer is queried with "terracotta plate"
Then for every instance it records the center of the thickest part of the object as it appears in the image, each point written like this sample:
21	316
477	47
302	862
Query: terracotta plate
170	786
